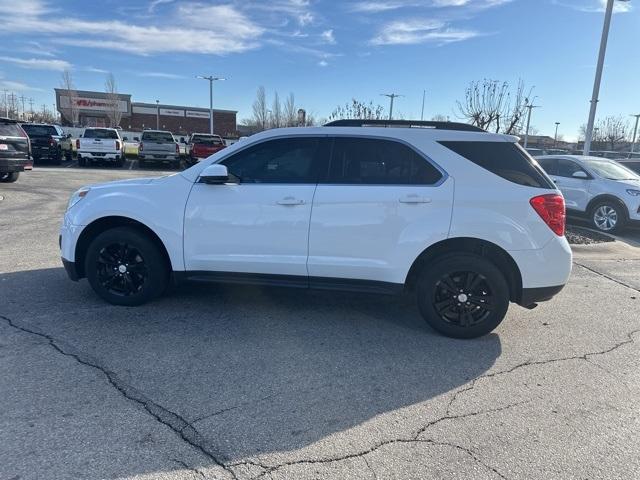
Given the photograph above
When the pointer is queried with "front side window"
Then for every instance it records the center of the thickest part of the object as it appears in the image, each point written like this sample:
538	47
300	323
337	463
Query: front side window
548	165
283	160
566	168
372	161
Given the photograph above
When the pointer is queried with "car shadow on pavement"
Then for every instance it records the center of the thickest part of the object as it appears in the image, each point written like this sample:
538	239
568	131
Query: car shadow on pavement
257	370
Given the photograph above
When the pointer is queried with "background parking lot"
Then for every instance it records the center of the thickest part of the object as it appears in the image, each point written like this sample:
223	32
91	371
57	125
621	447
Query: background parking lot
245	382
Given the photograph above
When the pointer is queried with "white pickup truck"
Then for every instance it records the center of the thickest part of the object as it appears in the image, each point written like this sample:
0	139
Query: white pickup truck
100	145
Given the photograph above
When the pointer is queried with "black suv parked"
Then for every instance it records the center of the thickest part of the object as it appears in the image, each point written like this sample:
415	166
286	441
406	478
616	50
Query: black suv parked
45	142
14	150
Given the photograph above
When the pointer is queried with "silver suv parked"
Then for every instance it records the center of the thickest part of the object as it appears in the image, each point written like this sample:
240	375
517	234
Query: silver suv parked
604	190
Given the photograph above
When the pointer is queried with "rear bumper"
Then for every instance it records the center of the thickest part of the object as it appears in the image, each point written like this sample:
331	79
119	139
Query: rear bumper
159	157
99	156
13	164
531	296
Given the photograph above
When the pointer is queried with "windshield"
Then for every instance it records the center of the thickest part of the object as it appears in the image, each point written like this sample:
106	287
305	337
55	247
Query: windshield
611	170
10	130
207	140
158	137
39	130
100	133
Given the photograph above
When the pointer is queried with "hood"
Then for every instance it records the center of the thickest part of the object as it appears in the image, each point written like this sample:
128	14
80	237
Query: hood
129	182
631	183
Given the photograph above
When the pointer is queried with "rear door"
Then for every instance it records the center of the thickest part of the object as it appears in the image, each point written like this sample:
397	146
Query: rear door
574	190
380	204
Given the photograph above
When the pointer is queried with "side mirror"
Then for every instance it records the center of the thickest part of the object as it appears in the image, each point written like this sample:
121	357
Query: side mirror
136	139
68	135
215	174
580	174
182	140
126	139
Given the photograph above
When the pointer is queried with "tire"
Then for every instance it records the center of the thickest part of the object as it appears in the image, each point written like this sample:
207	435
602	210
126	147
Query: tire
608	216
119	163
82	162
109	266
57	160
68	156
9	177
477	309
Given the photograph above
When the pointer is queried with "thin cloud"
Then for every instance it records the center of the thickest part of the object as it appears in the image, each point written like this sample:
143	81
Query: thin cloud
594	6
323	63
327	37
169	76
413	32
379	6
157	3
95	70
38	63
17	86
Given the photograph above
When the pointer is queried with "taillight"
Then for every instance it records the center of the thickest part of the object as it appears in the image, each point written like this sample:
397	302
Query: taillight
117	145
551	209
177	149
52	142
140	146
77	144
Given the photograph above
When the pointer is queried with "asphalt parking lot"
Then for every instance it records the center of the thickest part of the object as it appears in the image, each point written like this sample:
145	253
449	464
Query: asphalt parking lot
245	382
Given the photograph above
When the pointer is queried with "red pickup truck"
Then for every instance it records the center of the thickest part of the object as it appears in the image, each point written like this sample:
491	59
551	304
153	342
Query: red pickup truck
203	145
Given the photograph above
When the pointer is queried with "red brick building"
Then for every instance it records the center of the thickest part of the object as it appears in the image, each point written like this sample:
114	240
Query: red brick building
92	109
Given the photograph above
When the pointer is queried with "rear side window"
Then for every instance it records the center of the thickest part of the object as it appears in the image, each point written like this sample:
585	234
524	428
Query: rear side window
507	160
158	137
370	161
548	165
10	130
100	133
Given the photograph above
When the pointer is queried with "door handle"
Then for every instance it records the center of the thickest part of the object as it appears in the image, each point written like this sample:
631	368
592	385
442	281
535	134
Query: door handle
290	201
414	199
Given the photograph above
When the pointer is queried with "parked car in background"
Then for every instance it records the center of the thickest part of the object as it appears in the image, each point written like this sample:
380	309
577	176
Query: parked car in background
66	143
604	190
158	146
14	150
345	206
203	145
100	145
632	163
46	142
130	148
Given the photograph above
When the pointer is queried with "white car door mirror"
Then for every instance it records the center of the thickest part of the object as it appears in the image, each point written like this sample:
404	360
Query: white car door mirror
215	174
580	174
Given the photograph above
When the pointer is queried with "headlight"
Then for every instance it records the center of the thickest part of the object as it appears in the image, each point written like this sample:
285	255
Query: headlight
635	193
77	196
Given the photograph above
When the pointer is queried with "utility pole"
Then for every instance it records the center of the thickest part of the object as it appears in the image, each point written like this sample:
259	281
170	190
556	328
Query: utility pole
157	114
424	94
24	115
635	131
555	138
392	96
526	133
598	78
211	79
31	108
6	103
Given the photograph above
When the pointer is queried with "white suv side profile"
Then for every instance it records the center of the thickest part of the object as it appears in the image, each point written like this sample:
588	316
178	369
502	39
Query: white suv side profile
463	218
607	192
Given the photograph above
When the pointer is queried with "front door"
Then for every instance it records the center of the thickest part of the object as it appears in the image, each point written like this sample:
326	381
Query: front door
574	190
259	222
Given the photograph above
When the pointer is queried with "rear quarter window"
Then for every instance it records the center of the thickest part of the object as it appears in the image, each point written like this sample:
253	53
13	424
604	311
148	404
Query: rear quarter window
505	159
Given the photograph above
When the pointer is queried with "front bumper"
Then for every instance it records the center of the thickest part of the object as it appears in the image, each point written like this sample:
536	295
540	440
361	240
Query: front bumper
8	165
70	268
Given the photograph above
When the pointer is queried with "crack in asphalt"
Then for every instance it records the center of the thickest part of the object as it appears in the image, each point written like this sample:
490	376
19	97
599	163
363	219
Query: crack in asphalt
608	277
166	417
184	465
234	407
373	472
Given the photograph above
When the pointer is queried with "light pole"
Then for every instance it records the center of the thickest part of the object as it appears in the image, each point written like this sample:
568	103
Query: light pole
157	114
526	132
635	131
424	94
392	96
555	138
211	79
598	78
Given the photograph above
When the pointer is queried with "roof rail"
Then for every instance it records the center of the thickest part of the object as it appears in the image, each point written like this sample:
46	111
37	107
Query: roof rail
404	123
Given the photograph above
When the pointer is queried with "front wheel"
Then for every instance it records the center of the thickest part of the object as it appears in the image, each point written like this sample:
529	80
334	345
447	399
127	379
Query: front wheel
608	216
9	177
462	295
125	267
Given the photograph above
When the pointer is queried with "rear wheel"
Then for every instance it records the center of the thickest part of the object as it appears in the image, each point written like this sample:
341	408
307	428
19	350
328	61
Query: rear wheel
82	162
9	177
125	267
68	155
462	295
608	216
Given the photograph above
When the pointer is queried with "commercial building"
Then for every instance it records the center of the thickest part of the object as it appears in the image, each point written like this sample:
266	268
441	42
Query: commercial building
97	109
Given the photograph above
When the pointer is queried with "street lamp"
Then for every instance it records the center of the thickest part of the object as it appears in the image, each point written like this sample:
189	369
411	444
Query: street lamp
635	131
392	96
596	83
424	94
526	132
211	79
157	114
555	138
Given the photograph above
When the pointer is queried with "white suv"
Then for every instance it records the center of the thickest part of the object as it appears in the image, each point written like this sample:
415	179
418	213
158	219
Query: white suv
606	191
463	218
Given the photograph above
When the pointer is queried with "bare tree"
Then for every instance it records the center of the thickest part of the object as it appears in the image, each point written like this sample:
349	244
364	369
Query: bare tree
491	105
613	130
111	88
290	111
276	112
260	109
358	110
440	118
71	113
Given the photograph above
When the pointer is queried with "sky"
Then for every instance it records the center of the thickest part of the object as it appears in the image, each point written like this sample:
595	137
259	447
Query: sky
327	52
